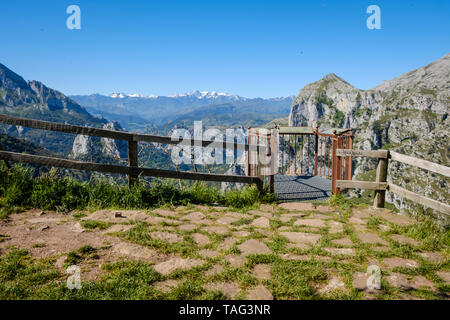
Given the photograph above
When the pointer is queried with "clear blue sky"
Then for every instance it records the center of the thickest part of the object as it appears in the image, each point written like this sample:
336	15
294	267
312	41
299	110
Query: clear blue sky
250	48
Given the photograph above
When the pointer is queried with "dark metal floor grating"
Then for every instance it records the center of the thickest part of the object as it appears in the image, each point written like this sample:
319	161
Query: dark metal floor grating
302	188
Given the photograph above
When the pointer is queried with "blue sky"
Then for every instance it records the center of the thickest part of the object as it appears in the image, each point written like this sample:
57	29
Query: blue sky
251	48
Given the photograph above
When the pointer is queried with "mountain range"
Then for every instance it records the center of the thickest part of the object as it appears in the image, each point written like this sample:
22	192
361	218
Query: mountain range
136	112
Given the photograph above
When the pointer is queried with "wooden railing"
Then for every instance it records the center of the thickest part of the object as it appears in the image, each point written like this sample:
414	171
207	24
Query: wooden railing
132	170
380	185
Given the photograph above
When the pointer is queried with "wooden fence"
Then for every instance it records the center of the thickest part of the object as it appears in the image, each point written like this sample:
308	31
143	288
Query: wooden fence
132	170
380	185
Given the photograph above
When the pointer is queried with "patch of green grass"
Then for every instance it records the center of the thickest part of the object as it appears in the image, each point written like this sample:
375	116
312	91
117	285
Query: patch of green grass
94	224
39	245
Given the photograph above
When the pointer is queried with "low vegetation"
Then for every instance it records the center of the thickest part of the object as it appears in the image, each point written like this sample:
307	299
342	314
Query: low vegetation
20	189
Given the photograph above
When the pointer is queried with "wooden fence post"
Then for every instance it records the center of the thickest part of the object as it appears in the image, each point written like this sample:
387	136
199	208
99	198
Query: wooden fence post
132	161
316	150
349	159
380	195
334	164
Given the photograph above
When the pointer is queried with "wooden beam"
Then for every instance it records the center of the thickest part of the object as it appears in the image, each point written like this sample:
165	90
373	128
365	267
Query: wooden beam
132	161
381	177
427	202
362	153
135	171
367	185
420	163
119	135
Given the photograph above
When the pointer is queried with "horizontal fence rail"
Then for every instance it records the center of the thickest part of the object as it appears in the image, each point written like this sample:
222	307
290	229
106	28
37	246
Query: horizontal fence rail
420	163
119	135
380	185
134	171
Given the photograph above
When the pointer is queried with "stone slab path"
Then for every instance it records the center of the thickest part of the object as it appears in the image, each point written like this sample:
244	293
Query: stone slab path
295	250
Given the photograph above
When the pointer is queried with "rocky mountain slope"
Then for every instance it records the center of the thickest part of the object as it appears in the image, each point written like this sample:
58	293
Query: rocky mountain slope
408	114
34	100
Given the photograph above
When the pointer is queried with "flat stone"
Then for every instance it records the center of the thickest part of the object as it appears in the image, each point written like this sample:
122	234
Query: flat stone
262	271
433	257
285	219
208	253
301	246
261	222
229	289
167	285
420	282
301	237
235	261
318	223
322	258
444	275
226	220
295	257
194	216
371	238
397	219
134	251
226	244
399	281
341	251
77	228
324	209
335	227
238	215
259	293
167	267
253	246
166	213
381	249
335	284
241	234
187	227
297	206
360	281
267	207
200	239
355	220
343	242
60	261
360	228
404	240
119	228
166	236
216	269
400	262
216	229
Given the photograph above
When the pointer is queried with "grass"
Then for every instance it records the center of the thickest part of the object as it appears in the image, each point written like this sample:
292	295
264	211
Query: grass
20	189
93	224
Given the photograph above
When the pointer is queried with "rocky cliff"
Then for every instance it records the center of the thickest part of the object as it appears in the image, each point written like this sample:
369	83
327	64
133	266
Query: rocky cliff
408	114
